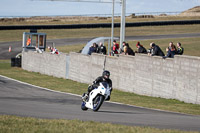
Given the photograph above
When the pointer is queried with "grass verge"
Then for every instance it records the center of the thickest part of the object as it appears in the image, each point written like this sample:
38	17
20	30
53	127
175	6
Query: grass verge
87	20
70	86
16	35
14	124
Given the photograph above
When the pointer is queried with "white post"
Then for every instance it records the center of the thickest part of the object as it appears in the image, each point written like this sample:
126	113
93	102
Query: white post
123	22
112	31
108	47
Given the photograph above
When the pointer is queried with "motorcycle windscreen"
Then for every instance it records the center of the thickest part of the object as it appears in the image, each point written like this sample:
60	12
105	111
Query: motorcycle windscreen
105	84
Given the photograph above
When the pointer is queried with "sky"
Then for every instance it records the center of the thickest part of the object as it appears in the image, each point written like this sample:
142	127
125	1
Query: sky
12	8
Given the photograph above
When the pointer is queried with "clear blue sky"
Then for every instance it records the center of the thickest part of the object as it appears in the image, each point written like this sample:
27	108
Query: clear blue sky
41	8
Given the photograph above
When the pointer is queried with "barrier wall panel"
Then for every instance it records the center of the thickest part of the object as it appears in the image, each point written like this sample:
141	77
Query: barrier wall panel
45	63
177	78
143	83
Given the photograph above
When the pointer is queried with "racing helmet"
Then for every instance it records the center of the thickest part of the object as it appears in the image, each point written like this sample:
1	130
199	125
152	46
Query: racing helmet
106	74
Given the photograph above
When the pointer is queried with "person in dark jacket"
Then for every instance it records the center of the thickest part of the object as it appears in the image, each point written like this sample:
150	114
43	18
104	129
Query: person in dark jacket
93	49
128	50
104	78
140	48
180	49
171	50
122	48
156	51
101	49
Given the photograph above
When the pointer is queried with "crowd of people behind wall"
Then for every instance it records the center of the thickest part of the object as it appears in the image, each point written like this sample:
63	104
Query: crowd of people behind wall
154	50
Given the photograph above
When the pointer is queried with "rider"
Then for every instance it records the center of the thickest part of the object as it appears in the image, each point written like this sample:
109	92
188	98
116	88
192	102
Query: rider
104	78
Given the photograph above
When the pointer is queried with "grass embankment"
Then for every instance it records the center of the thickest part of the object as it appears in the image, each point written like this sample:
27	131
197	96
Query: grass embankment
79	88
14	124
16	35
89	20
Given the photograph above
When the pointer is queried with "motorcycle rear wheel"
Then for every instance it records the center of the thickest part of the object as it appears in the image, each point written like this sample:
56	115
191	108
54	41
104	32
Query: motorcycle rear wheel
97	102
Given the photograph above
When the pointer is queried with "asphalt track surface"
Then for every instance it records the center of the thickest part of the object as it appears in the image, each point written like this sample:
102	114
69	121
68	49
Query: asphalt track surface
21	99
17	46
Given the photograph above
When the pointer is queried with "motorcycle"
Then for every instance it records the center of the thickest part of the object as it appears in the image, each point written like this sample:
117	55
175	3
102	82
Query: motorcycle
96	97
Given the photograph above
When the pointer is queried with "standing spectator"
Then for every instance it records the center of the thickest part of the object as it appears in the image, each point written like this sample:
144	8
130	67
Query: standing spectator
92	49
123	45
50	49
28	43
128	50
38	50
156	51
101	49
150	51
55	51
180	49
171	50
171	47
140	48
115	47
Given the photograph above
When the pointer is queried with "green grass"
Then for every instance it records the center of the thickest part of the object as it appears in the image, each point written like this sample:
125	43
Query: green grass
14	124
70	86
87	20
16	35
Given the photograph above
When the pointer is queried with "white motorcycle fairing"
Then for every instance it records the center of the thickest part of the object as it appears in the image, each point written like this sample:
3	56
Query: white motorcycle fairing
96	97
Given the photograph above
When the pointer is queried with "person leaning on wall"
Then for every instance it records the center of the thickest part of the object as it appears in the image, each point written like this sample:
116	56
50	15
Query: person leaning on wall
180	49
140	48
156	50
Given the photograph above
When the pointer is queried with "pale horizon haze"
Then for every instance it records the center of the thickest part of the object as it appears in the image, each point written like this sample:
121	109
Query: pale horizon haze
16	8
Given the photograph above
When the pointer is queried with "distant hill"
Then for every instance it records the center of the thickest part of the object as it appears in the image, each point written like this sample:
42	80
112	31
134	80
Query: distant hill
195	11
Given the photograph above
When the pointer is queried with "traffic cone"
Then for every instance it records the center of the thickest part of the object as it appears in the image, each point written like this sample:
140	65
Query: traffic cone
10	49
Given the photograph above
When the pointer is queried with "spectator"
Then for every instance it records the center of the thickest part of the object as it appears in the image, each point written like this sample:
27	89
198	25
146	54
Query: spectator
54	50
38	50
28	43
50	49
155	50
101	49
140	48
171	47
180	49
115	47
93	49
128	50
150	51
171	50
123	45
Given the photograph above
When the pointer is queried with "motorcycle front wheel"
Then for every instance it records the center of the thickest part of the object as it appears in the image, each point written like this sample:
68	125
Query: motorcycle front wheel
83	106
97	102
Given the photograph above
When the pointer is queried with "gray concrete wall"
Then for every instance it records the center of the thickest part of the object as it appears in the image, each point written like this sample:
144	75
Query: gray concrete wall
85	68
45	63
177	78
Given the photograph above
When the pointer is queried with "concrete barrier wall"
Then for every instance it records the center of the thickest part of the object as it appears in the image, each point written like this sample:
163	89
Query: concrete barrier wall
45	63
177	78
85	68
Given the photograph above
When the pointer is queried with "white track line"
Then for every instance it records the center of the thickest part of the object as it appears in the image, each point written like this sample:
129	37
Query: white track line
80	96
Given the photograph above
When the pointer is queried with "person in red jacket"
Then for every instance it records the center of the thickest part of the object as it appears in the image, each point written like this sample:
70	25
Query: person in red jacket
115	47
